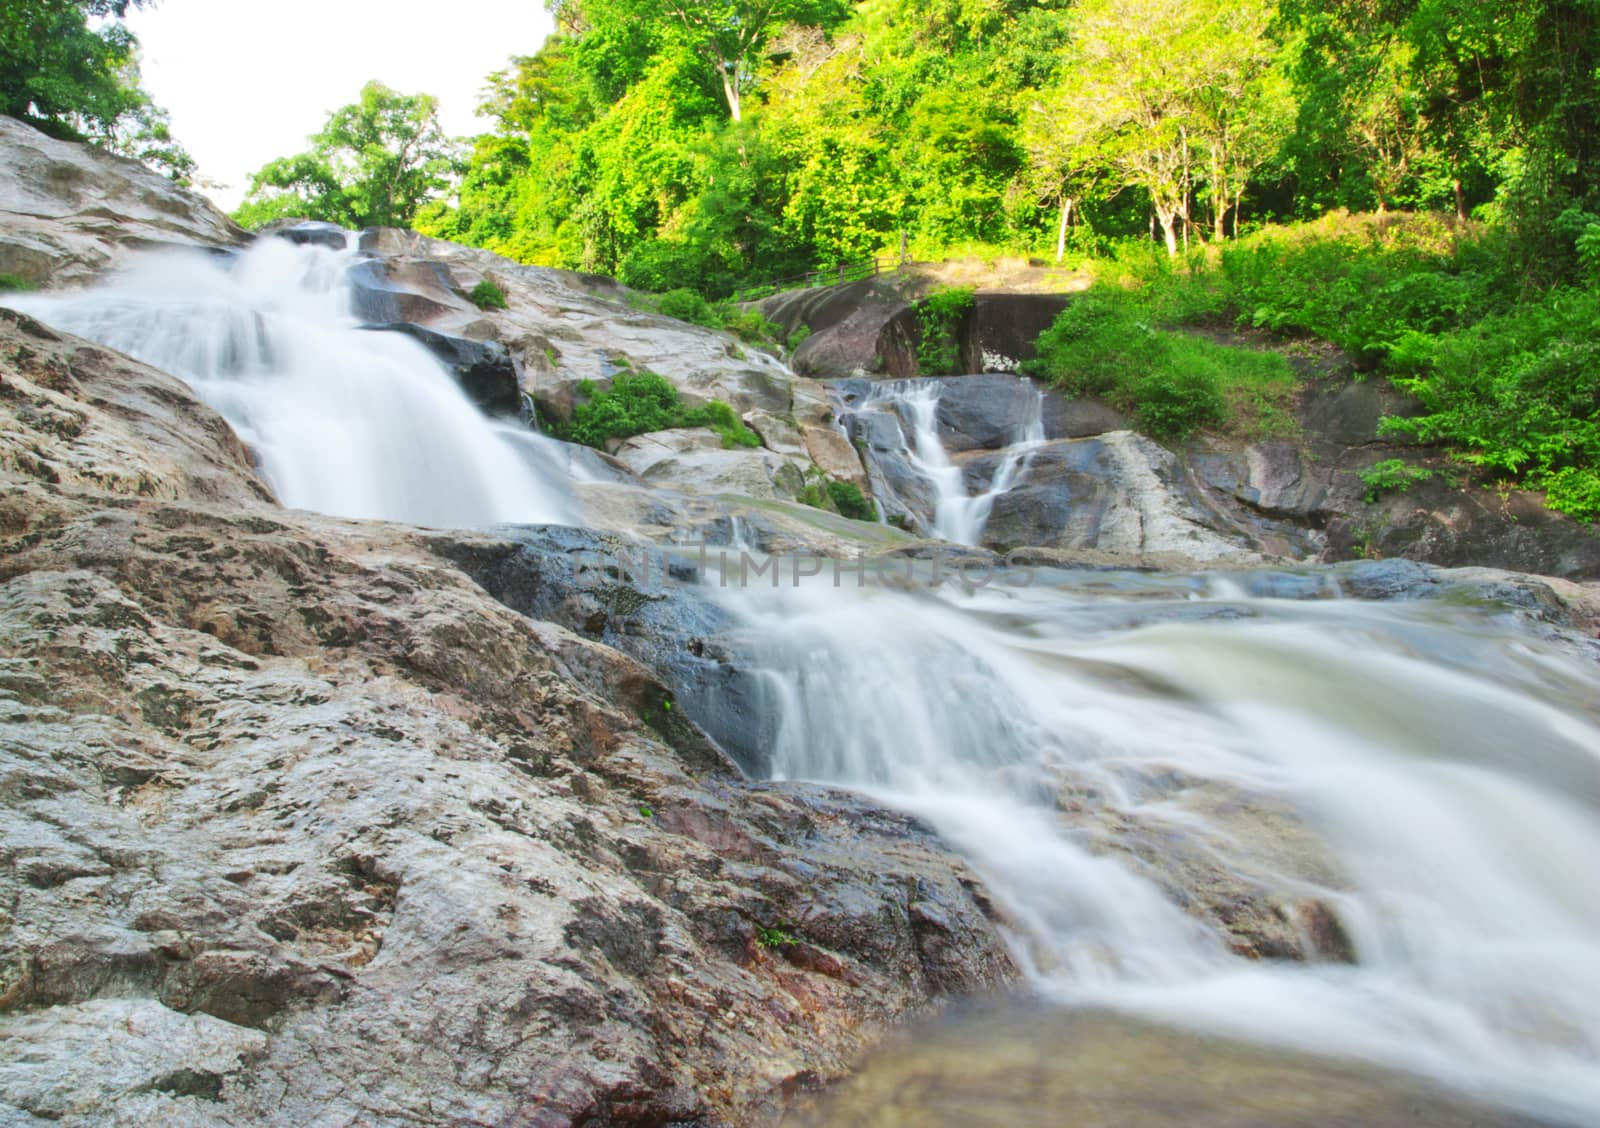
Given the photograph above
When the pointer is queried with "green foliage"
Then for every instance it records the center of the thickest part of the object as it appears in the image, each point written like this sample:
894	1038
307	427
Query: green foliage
750	326
641	402
70	67
1588	248
1103	345
687	305
1392	475
1517	393
487	295
11	283
843	498
848	500
375	163
939	318
775	936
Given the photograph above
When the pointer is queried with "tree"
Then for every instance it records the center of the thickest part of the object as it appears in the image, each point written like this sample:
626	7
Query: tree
82	83
727	34
1167	90
374	164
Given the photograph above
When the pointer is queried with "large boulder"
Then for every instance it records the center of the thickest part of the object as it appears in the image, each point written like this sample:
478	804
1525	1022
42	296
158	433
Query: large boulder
1120	494
694	459
69	211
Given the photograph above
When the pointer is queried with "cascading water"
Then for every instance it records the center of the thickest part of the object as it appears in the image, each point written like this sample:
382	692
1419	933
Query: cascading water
958	516
341	421
1446	769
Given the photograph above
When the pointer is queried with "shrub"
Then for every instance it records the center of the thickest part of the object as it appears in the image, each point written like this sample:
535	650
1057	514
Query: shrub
749	325
642	402
798	337
938	317
1392	475
1101	345
486	295
636	403
686	305
11	283
848	500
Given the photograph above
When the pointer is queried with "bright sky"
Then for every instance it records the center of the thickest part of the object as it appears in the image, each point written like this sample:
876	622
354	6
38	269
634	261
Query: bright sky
247	84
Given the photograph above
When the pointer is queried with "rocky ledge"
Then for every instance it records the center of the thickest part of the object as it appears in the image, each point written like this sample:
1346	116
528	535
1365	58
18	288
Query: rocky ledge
301	824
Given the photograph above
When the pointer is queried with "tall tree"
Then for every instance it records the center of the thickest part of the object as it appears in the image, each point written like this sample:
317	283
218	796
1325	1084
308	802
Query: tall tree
1165	90
729	35
373	164
78	81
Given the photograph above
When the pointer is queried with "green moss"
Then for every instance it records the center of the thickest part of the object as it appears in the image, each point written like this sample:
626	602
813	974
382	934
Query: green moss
11	283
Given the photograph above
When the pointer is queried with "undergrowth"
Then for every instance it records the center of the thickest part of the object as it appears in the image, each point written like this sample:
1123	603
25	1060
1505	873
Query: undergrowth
640	402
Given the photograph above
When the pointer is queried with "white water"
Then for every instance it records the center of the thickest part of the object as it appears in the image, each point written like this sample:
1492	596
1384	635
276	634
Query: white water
958	517
341	420
1449	771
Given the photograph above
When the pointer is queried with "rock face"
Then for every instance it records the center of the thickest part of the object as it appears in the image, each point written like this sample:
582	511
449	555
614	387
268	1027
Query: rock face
69	211
870	327
299	822
1119	493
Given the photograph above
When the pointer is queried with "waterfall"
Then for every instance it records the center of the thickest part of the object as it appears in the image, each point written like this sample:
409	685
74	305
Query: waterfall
340	420
1447	771
957	515
1429	771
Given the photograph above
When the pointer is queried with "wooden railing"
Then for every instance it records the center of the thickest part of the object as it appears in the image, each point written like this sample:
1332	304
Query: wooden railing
828	276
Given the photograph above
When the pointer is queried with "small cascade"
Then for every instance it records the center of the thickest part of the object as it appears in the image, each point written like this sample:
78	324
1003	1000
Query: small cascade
952	513
341	421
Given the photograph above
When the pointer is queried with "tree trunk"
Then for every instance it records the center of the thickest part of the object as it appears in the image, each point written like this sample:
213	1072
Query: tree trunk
730	88
1061	231
1461	200
1168	221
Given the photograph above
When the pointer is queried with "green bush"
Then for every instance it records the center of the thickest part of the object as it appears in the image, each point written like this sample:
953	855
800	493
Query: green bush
1517	393
799	336
1173	383
1392	475
641	402
10	283
848	500
687	305
749	325
939	315
486	295
661	265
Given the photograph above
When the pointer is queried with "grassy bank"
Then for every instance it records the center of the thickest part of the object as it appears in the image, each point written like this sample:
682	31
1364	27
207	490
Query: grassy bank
1508	372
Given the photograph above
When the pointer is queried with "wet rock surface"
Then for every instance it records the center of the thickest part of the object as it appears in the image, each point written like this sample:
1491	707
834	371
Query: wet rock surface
998	1067
302	823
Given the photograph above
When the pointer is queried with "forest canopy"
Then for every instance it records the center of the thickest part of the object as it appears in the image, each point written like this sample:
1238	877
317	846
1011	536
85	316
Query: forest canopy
705	144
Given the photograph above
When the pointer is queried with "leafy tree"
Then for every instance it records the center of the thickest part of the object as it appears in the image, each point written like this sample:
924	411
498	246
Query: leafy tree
374	164
1166	90
80	82
729	35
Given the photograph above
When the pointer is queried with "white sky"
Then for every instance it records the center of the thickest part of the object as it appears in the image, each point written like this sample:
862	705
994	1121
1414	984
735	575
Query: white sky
245	84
